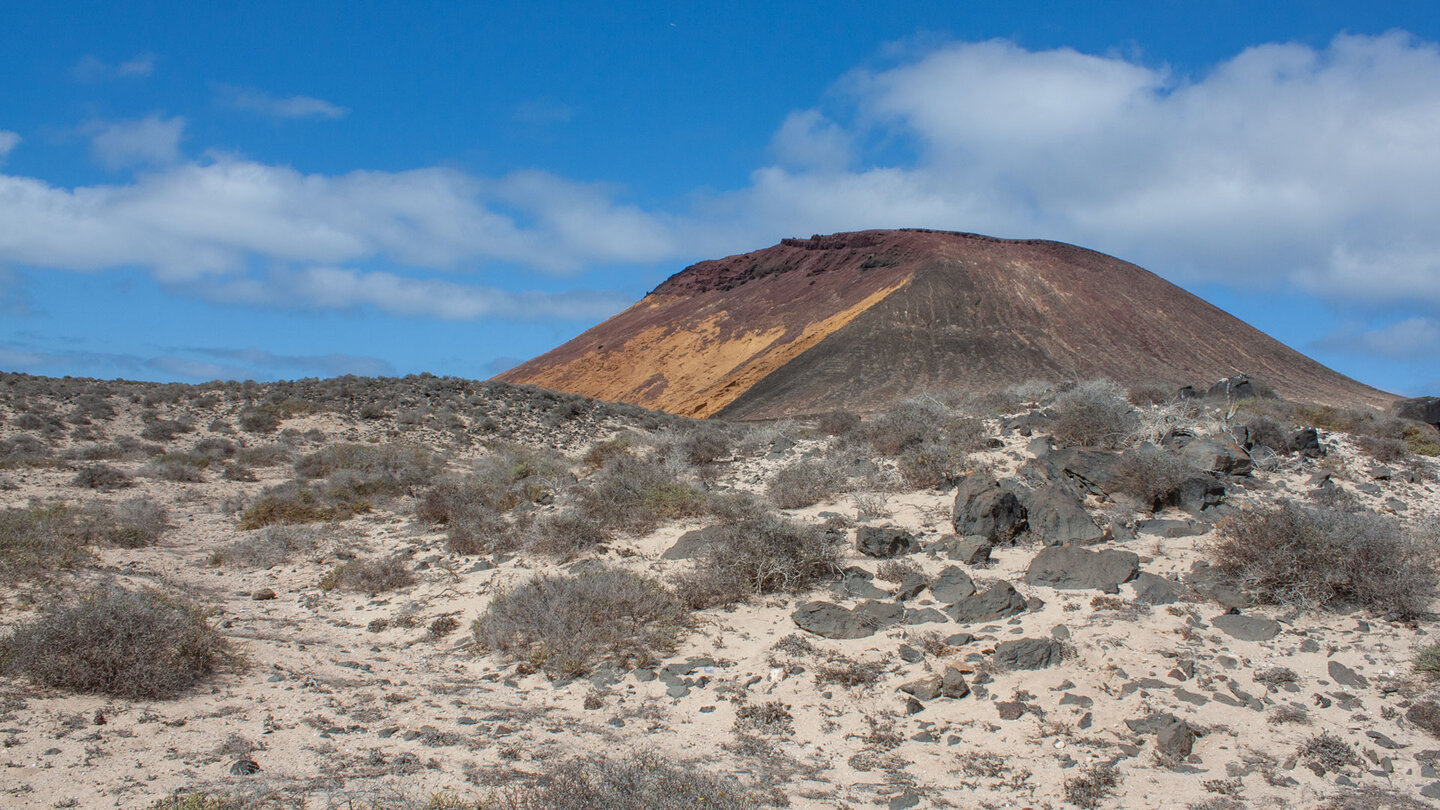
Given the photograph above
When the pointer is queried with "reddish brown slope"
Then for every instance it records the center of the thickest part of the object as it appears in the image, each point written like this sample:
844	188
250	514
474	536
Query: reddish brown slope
859	320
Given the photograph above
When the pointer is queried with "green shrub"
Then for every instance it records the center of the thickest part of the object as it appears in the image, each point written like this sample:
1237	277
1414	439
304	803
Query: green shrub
566	625
130	644
766	554
1316	557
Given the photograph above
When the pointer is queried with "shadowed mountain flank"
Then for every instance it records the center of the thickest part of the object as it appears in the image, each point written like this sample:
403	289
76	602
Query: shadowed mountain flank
858	320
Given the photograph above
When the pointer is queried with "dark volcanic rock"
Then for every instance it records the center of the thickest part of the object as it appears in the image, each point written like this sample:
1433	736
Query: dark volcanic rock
1069	567
1306	442
999	601
1056	517
1421	409
1028	653
971	550
855	583
1175	741
985	508
1218	456
692	544
832	621
874	541
1247	628
1157	590
1208	581
1346	676
952	585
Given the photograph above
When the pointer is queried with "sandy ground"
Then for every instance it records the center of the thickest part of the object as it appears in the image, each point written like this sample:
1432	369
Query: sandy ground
331	709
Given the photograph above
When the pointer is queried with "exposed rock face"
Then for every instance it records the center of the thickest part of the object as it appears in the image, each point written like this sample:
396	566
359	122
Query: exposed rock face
793	328
1421	409
999	601
1068	567
1028	653
984	508
873	541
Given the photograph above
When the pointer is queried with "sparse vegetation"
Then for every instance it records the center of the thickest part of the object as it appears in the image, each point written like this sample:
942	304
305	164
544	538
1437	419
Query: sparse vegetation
640	781
1093	414
767	554
1095	782
566	625
369	576
1150	474
804	483
1315	557
40	541
131	644
1327	753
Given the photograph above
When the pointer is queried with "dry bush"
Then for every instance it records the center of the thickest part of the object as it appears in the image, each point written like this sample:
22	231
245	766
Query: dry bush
164	430
805	483
1327	753
130	644
767	554
1150	474
39	541
24	450
842	670
177	467
506	478
566	625
269	547
1315	557
1373	431
1095	782
102	476
600	453
706	445
635	495
566	533
132	523
369	576
639	781
1093	414
837	423
265	455
376	468
897	570
298	502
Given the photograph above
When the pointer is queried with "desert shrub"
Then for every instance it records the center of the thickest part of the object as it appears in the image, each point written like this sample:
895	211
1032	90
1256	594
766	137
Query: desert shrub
639	781
177	467
566	533
215	448
705	445
1374	432
1264	431
369	576
635	495
566	625
1426	715
269	546
239	472
1316	557
804	483
1150	474
265	455
130	644
1326	752
1427	661
1093	414
96	452
1372	797
24	450
299	502
164	430
1095	782
930	465
1384	449
736	506
102	476
838	423
844	671
1142	396
375	468
897	570
132	523
600	453
258	420
501	481
909	422
38	541
768	554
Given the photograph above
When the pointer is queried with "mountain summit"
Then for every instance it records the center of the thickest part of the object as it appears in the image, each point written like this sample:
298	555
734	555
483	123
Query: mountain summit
859	320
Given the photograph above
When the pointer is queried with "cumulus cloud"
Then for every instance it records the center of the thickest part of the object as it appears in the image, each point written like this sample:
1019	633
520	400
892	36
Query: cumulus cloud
262	103
91	68
8	141
1285	163
148	141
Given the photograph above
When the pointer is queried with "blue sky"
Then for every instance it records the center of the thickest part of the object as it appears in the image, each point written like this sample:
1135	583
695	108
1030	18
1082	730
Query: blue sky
278	190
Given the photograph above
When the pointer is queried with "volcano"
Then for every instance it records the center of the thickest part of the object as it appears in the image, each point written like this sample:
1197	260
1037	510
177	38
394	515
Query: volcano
860	320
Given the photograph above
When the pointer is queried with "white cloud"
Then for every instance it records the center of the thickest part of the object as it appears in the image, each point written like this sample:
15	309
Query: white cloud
258	101
148	141
1415	338
808	139
335	288
90	68
1284	164
8	141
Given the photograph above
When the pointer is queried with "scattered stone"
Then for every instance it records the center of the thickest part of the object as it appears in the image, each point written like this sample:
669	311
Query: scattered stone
855	583
263	594
909	798
1384	742
923	616
999	601
1247	628
244	767
983	507
971	550
1010	709
1171	528
953	685
924	688
1157	590
873	541
1175	741
693	544
1073	568
1027	653
1056	517
909	654
1346	676
1218	456
829	620
1207	581
910	587
953	584
1306	442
